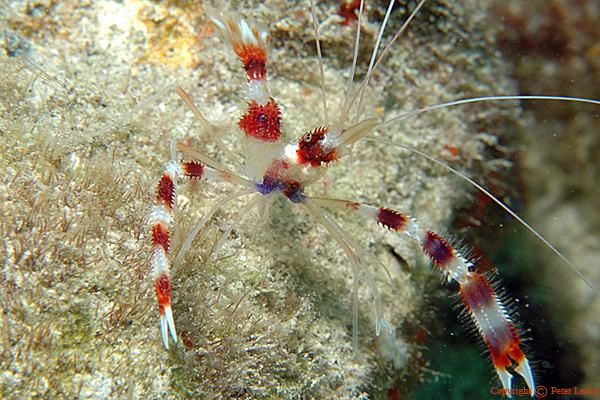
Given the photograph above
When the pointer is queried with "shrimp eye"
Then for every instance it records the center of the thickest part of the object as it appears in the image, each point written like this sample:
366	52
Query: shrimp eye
307	137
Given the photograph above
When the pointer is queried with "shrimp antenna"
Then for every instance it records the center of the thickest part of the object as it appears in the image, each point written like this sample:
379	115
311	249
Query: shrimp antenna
495	199
345	108
374	55
363	85
318	43
344	111
480	99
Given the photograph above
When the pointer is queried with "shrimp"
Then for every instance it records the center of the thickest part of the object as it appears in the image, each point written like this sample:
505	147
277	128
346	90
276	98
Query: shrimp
278	167
279	286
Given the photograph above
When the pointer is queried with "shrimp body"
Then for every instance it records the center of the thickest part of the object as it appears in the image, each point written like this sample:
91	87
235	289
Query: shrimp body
276	168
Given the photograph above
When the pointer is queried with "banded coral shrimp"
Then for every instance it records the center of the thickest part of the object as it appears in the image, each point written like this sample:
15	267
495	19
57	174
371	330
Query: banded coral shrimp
212	290
244	40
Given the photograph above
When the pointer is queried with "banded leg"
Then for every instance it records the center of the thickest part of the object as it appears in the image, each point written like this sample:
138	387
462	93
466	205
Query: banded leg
249	43
482	303
160	219
261	123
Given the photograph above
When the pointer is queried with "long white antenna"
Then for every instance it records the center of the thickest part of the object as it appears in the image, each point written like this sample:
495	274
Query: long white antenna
496	200
323	93
345	109
374	55
365	82
480	99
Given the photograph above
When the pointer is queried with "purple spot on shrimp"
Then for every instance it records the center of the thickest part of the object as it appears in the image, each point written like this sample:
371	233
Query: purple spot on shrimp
437	249
391	219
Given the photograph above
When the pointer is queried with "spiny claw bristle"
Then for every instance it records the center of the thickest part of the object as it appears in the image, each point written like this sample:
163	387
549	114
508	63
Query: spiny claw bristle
505	378
525	371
